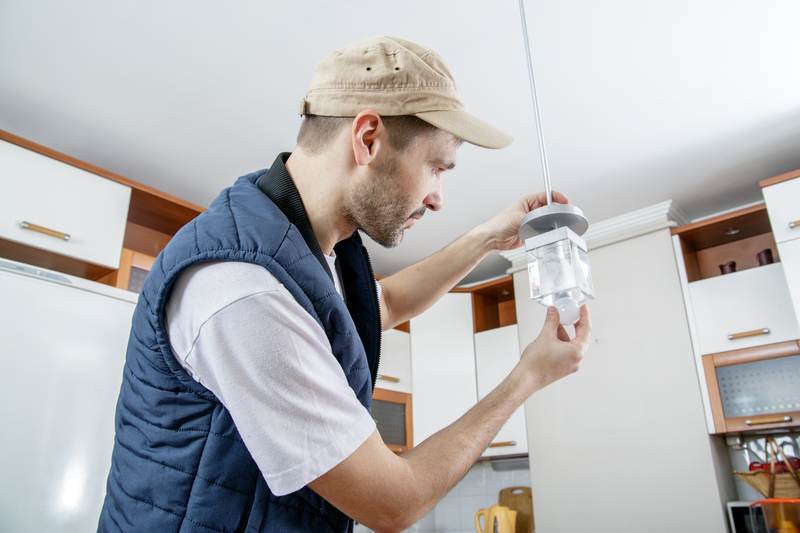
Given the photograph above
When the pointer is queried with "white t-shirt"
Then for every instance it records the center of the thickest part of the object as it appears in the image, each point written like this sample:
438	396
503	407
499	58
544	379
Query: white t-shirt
239	332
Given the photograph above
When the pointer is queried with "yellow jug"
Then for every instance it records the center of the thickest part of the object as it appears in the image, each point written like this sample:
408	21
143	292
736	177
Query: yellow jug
505	517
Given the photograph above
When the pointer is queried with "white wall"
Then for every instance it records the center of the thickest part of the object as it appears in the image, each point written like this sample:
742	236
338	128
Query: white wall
624	440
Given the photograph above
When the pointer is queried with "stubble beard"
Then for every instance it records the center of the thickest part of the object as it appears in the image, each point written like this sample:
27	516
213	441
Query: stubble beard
381	208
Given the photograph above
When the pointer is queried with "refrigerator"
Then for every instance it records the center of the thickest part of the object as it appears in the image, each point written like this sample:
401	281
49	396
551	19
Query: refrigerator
62	350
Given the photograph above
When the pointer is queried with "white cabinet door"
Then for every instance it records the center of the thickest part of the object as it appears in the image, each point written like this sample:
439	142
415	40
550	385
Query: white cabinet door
63	350
442	364
395	362
790	259
496	353
39	190
750	300
783	206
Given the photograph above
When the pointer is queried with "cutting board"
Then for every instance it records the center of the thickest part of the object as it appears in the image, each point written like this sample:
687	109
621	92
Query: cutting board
519	499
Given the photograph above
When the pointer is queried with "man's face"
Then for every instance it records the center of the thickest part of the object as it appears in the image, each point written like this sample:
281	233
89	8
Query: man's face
401	188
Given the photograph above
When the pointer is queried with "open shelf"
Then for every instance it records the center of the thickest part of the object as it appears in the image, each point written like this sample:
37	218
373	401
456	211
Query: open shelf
738	236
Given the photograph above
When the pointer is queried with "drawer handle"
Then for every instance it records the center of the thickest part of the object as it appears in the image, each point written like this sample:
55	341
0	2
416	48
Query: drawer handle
794	224
768	419
753	333
46	231
500	444
388	378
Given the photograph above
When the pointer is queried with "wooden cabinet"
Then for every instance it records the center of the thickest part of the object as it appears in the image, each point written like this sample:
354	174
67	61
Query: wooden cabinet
741	322
53	209
496	354
755	388
442	364
393	415
108	216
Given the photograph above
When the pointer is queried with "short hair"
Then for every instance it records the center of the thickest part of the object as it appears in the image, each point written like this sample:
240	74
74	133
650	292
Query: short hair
317	132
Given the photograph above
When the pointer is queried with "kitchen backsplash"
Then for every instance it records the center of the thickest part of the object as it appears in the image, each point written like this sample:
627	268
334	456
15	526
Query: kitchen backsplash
479	489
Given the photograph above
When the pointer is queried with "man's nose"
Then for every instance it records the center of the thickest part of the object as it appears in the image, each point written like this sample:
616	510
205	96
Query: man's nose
434	200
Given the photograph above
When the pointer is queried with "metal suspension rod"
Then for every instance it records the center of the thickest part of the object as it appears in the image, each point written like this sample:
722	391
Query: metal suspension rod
539	134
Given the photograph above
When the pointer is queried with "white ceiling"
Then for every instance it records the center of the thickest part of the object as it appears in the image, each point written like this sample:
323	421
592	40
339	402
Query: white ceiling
641	102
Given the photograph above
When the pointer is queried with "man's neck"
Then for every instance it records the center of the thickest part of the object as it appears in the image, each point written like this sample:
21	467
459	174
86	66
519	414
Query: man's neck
319	181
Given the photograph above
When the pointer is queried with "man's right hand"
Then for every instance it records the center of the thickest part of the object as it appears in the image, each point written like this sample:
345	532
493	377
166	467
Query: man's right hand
553	354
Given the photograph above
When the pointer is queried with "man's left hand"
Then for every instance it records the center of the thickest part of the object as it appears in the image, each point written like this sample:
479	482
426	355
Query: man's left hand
504	227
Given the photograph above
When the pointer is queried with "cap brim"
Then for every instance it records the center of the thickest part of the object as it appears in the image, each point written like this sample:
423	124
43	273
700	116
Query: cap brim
468	127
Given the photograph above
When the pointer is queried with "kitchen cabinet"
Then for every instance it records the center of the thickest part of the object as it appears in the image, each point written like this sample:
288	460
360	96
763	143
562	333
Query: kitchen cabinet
743	310
754	388
132	219
442	364
53	208
394	373
392	407
740	322
63	344
496	354
461	349
393	415
782	196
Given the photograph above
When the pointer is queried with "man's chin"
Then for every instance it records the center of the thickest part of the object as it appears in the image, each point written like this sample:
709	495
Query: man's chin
387	241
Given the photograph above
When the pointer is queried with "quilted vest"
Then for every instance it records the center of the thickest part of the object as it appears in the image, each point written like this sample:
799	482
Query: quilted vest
179	463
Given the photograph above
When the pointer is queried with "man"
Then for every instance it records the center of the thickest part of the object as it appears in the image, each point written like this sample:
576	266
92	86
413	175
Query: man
254	347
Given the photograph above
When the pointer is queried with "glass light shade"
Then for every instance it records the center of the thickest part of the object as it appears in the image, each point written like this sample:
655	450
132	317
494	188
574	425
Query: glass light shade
559	274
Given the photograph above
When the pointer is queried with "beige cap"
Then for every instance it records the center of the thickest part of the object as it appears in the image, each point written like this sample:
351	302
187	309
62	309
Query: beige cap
394	77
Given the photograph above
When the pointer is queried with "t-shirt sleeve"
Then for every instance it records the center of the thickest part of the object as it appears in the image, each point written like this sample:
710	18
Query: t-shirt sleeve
241	334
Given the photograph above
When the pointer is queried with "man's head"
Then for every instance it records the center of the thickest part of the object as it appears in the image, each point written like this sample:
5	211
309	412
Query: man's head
383	118
395	77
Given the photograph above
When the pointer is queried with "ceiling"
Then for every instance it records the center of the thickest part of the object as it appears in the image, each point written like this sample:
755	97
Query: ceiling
640	102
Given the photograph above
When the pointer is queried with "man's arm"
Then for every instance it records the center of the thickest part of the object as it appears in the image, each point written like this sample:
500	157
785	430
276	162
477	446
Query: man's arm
390	493
414	289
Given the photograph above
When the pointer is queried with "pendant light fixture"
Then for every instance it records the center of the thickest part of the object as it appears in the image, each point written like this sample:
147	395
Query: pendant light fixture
558	261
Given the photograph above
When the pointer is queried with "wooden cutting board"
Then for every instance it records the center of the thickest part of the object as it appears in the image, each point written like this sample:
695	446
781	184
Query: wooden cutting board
519	499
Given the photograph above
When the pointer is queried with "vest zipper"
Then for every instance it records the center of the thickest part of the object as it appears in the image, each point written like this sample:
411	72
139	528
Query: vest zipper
380	324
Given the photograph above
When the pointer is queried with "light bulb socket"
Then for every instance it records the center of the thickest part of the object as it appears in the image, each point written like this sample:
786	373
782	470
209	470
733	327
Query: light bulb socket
537	241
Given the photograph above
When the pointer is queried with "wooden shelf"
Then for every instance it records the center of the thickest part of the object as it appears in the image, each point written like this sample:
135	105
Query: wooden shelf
736	236
493	304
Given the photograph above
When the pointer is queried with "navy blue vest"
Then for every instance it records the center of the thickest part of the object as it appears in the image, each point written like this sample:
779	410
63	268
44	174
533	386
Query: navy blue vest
179	463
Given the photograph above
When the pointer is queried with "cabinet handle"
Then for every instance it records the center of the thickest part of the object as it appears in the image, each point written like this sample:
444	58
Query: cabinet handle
506	443
396	449
794	224
388	378
753	333
768	419
46	231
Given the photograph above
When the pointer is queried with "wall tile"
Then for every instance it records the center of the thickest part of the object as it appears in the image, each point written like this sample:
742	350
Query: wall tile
471	505
474	483
448	515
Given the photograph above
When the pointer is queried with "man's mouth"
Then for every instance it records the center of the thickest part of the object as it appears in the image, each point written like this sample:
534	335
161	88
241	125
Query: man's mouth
416	215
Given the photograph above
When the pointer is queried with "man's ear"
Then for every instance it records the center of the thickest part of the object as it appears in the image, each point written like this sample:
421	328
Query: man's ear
368	136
